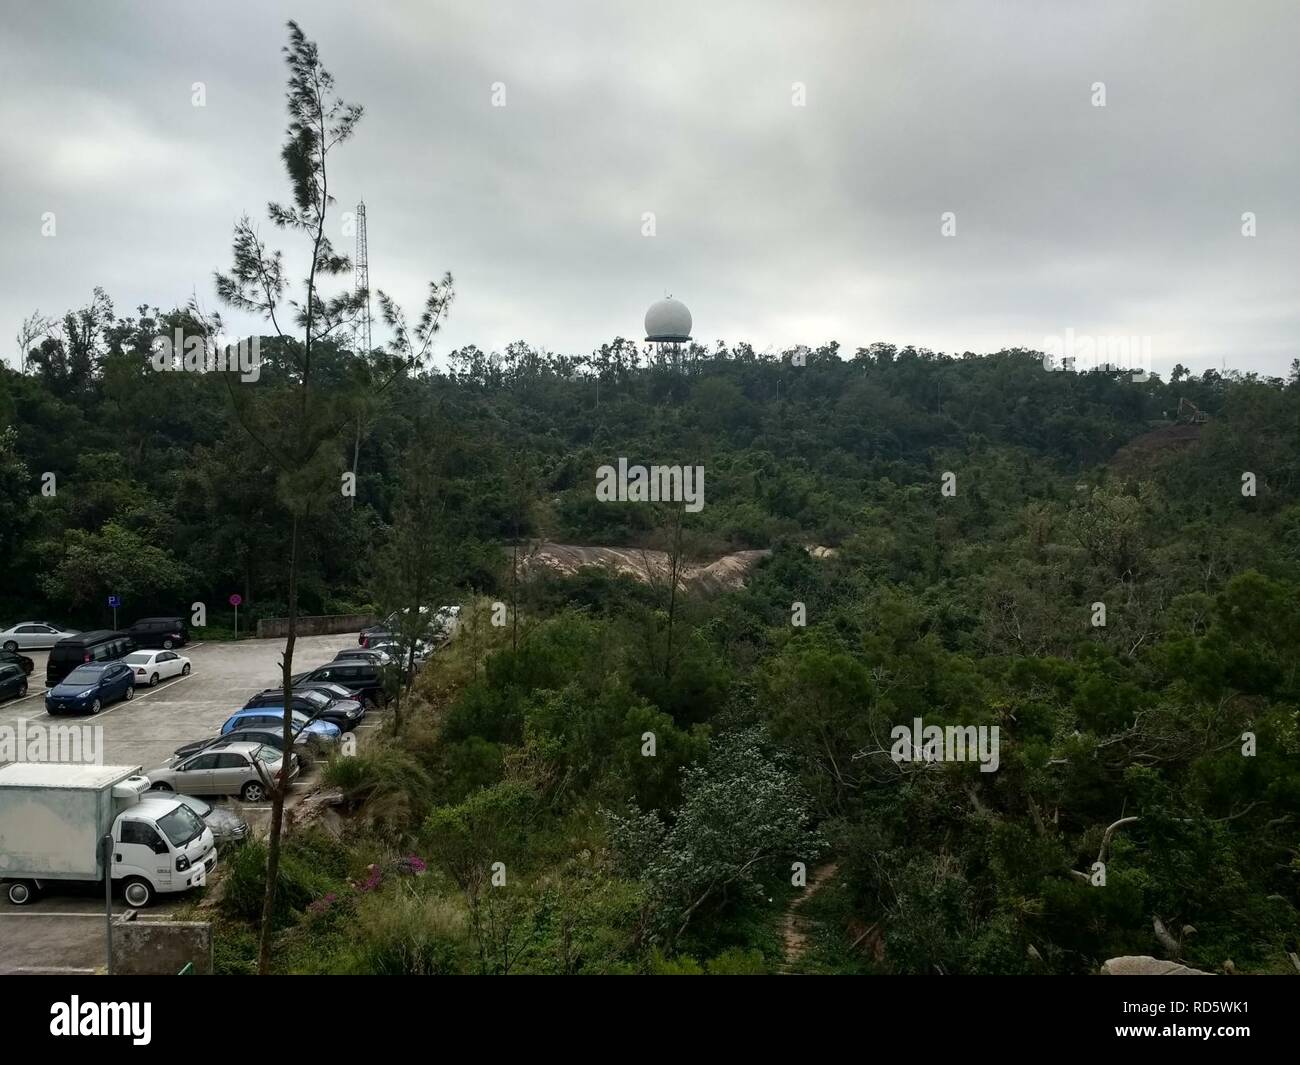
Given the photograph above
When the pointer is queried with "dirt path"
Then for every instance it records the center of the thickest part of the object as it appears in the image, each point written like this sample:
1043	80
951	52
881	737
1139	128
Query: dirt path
795	927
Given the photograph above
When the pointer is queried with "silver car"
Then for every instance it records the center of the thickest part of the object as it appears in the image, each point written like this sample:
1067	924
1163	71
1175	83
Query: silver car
33	636
231	770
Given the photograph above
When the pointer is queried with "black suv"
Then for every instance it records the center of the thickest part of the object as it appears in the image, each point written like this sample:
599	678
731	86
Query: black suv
364	678
346	713
160	632
101	645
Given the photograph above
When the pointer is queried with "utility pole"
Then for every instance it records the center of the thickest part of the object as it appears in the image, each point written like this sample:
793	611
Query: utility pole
107	843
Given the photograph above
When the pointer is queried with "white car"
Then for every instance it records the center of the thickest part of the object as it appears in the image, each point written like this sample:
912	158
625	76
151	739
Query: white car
150	667
33	635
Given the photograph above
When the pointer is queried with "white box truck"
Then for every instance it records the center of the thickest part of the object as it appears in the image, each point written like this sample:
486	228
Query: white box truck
54	817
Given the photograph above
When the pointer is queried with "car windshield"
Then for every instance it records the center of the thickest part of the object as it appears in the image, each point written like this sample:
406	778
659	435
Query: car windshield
317	699
82	676
268	754
137	659
197	805
181	825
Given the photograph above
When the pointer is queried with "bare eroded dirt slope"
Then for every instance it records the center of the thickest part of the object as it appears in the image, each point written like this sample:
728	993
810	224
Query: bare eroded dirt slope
653	567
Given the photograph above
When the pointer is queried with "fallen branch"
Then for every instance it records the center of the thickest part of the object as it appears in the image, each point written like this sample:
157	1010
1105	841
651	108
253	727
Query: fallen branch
1110	832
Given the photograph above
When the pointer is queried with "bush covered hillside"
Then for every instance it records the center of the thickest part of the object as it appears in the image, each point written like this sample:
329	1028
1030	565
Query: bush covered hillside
608	774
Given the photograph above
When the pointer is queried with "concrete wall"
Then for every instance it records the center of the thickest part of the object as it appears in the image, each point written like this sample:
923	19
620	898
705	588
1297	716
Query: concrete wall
161	948
319	625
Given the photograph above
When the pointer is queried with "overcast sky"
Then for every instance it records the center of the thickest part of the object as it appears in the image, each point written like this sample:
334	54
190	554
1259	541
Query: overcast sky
775	223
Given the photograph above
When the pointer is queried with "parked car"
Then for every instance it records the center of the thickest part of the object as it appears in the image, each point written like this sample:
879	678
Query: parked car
33	636
226	825
90	688
360	676
229	771
271	736
160	632
13	658
13	684
334	691
98	645
273	717
437	626
364	654
346	713
384	630
150	667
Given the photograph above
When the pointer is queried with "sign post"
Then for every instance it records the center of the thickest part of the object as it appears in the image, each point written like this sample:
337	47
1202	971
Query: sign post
235	600
106	843
115	601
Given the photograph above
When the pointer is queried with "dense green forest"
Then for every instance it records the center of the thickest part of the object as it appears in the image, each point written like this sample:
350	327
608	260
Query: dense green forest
603	775
513	822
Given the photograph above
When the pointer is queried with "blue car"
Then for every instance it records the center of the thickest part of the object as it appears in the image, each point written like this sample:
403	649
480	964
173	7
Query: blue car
89	688
273	717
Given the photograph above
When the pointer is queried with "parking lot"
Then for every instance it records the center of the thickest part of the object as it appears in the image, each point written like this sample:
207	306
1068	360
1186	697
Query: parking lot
64	931
146	730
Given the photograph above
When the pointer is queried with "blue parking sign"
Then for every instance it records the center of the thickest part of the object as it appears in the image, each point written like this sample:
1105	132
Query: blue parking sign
115	601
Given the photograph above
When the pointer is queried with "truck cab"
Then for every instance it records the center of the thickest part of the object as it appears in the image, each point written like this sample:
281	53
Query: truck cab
163	843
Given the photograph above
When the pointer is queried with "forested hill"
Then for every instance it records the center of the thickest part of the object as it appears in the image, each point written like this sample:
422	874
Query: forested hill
1012	550
154	468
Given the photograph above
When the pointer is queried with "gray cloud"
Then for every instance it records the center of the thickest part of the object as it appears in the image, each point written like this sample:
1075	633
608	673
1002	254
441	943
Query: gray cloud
776	224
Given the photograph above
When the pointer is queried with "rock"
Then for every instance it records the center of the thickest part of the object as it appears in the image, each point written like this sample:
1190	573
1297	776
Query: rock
1145	965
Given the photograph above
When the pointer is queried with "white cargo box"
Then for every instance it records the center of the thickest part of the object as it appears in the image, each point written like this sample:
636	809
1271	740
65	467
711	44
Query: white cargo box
53	815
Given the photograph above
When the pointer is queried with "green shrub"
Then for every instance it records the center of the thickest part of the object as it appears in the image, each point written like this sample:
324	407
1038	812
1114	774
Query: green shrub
407	936
301	879
387	787
737	962
234	949
683	965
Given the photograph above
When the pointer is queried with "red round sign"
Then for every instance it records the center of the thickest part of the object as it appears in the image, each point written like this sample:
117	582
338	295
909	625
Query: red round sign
235	600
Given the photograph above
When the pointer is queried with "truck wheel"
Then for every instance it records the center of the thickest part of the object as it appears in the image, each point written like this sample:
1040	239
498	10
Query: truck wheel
138	893
21	892
253	792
